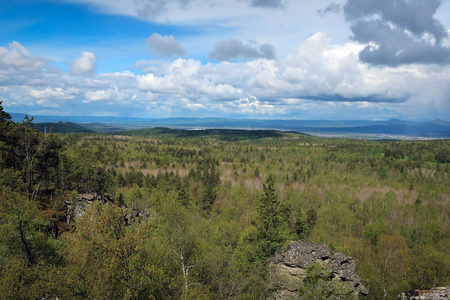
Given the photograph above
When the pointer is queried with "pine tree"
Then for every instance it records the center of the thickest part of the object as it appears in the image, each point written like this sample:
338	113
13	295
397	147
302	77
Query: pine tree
183	196
271	221
5	135
301	228
209	197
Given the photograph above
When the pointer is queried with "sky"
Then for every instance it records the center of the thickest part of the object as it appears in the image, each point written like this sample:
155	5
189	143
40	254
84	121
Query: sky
257	59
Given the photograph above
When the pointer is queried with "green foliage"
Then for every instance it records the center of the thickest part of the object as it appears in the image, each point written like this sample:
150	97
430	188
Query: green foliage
28	257
271	220
121	200
208	198
317	272
311	217
204	222
221	134
106	259
430	265
183	197
83	176
318	285
302	230
20	230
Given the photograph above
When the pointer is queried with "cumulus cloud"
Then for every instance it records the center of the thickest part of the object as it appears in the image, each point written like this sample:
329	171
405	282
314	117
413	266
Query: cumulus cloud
104	95
317	71
51	97
165	46
85	63
16	58
173	77
54	93
229	49
187	79
318	77
398	32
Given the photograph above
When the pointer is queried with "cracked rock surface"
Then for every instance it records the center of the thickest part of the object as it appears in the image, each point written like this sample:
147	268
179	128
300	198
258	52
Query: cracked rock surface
288	269
84	202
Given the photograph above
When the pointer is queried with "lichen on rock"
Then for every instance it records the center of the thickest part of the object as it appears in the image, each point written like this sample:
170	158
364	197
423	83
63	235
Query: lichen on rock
288	270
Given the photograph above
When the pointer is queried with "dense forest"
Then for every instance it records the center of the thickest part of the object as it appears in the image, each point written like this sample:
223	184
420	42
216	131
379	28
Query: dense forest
197	214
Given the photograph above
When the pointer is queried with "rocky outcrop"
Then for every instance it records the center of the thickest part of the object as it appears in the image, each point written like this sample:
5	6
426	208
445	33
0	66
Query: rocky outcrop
438	293
83	202
288	269
77	207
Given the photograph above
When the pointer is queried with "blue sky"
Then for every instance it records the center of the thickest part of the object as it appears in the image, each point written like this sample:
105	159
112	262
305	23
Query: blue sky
285	59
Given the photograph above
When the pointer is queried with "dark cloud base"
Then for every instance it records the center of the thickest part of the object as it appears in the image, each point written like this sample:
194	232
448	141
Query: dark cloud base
340	98
226	50
397	30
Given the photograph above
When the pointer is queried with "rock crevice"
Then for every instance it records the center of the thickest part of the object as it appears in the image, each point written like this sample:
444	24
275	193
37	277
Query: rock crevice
288	269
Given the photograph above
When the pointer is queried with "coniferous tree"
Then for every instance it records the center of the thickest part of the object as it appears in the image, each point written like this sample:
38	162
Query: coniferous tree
6	138
209	197
183	196
271	221
301	228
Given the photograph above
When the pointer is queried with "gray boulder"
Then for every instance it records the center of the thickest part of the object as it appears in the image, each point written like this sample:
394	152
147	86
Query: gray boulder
77	206
438	293
287	269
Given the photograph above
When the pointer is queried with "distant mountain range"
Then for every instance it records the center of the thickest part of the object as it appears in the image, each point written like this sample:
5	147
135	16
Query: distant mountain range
393	128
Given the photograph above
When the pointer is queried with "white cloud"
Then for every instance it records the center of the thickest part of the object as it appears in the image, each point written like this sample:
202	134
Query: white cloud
155	84
187	78
318	79
18	59
85	63
318	71
54	93
316	68
103	95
